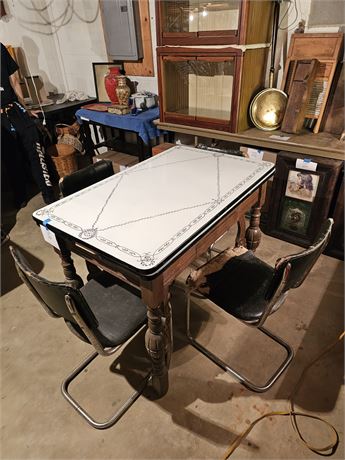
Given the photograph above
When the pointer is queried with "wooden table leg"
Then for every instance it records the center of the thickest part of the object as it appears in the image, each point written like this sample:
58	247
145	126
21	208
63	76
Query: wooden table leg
241	232
141	149
88	142
71	276
156	342
253	232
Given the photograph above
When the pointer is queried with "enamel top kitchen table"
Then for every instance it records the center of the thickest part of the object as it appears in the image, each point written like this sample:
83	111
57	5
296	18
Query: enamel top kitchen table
187	199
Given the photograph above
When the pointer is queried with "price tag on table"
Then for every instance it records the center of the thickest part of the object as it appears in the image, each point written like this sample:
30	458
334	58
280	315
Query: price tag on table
49	237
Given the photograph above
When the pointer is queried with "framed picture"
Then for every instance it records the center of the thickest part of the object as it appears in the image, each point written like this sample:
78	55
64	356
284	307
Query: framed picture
100	69
302	185
300	199
295	216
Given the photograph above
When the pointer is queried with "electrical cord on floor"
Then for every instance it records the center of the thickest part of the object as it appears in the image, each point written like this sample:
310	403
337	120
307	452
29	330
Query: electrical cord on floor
325	451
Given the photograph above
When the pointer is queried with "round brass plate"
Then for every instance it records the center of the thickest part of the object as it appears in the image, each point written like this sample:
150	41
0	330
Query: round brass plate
267	109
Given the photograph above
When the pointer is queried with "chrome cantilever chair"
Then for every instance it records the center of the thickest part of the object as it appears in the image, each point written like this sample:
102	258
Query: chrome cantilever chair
102	313
250	290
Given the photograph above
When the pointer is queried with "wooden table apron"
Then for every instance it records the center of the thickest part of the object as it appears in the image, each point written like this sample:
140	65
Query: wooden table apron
155	287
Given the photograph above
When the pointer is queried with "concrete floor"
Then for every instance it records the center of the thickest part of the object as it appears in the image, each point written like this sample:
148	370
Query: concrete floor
204	408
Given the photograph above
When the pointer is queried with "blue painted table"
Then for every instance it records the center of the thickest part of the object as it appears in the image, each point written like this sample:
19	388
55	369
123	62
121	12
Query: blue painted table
141	124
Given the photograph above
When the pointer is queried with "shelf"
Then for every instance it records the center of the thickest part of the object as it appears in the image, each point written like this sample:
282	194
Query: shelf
322	144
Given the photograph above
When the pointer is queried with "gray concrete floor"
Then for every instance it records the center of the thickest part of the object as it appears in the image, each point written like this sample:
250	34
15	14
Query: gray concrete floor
204	408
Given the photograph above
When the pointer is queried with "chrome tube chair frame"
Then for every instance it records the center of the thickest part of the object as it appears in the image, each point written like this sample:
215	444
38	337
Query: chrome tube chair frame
278	294
85	333
100	350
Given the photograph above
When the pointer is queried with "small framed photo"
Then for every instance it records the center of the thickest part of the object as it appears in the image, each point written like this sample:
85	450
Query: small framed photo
100	69
295	216
302	185
300	200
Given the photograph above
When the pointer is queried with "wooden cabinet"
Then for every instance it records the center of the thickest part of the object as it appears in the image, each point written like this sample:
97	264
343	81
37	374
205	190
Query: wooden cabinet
213	22
209	88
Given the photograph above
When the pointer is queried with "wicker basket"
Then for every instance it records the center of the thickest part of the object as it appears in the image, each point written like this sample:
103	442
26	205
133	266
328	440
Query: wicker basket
64	157
70	140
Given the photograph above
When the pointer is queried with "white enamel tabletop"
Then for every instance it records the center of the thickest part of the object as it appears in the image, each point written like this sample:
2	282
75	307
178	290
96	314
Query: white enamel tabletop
144	214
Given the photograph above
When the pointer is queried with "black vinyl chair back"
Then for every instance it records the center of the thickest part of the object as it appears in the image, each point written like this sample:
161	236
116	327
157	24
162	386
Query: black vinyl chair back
86	177
51	295
299	265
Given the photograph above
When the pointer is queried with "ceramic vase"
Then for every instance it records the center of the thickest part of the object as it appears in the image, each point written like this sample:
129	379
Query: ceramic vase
123	92
110	83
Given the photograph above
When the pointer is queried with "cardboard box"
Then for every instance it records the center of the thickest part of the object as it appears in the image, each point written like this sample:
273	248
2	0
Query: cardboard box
120	160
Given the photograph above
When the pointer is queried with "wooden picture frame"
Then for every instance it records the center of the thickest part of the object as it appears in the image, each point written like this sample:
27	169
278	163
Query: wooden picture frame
301	199
100	69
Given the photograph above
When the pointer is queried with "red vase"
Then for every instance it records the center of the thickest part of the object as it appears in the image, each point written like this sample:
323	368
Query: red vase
110	83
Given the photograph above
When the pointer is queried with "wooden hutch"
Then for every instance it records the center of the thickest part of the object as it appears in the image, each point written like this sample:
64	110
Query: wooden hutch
211	60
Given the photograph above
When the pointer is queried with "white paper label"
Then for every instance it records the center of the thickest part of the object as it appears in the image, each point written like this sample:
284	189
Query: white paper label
280	138
255	154
49	237
306	164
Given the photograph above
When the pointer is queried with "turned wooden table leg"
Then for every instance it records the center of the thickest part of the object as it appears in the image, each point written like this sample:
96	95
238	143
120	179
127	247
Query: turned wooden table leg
71	276
253	232
168	330
241	232
156	342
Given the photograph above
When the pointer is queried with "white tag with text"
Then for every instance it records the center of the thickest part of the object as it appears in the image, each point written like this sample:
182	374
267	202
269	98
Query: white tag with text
306	164
49	237
255	154
280	138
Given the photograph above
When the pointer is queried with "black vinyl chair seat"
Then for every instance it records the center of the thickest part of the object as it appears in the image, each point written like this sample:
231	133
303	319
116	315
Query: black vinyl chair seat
120	311
240	287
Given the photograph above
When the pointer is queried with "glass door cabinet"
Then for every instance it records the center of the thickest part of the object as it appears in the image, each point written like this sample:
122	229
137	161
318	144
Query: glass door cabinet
197	22
208	89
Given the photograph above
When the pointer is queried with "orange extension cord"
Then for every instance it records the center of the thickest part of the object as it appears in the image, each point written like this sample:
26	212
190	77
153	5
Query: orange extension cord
325	451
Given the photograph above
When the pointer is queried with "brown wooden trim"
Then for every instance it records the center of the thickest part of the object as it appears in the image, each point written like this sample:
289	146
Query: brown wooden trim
152	292
192	121
195	52
243	20
210	120
178	35
324	103
159	37
178	58
217	40
215	58
160	79
217	33
235	100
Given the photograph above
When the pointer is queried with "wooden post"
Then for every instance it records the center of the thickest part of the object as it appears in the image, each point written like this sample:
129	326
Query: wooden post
253	232
157	340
